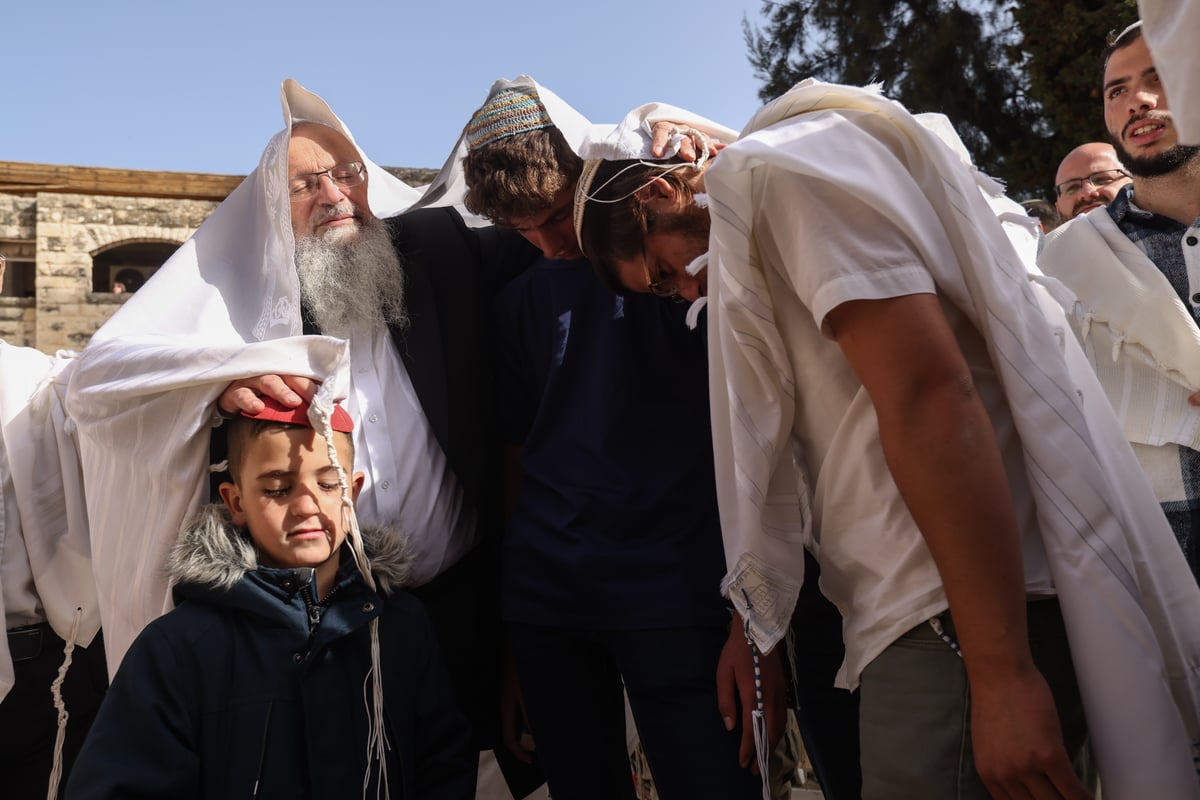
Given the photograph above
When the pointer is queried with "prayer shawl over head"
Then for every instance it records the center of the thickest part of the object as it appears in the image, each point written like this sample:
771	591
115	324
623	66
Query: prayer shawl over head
630	139
38	454
449	187
1129	602
224	307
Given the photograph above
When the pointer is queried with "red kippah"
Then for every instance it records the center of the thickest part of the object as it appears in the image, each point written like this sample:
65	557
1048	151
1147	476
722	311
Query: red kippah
275	411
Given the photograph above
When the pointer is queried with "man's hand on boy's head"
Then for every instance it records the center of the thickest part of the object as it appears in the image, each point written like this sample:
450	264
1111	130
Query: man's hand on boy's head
243	395
690	145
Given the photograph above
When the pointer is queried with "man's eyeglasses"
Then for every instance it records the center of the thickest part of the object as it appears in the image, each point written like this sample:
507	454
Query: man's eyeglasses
659	287
344	176
1097	179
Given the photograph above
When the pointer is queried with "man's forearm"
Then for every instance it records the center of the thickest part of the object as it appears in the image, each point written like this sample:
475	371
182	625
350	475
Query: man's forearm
941	449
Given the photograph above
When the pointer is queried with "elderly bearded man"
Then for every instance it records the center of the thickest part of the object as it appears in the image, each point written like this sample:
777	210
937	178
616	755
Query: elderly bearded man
408	298
890	393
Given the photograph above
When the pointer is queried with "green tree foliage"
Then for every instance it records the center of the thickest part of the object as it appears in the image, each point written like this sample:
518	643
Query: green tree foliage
1060	47
1014	78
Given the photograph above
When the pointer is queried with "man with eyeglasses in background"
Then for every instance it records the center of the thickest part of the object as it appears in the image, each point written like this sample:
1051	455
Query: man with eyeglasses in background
1132	267
1088	177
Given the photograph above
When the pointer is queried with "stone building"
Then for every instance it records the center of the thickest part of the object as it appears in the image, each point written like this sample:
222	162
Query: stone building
80	240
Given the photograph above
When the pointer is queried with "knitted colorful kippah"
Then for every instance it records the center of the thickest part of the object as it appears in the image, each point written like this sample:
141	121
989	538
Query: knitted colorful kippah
507	113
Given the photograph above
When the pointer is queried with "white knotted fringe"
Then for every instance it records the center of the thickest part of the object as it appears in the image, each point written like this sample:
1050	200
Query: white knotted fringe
694	268
56	766
377	743
693	313
758	717
1118	343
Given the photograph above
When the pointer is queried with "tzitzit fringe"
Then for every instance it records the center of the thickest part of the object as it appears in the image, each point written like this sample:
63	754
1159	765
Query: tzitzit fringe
758	718
377	743
56	766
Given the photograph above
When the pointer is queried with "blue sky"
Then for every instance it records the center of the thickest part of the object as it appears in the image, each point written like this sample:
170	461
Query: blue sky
191	86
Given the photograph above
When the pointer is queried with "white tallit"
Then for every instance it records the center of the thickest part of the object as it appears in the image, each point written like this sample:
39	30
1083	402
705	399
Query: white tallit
224	307
1128	600
629	139
1143	343
449	187
40	458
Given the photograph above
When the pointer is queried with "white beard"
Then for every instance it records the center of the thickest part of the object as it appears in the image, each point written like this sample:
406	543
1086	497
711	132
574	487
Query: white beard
351	274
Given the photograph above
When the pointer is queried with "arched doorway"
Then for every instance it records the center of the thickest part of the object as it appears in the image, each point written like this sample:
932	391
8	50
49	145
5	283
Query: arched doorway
125	267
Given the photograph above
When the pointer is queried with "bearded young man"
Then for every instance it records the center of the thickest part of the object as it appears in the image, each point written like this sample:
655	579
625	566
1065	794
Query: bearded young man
309	244
889	392
1131	267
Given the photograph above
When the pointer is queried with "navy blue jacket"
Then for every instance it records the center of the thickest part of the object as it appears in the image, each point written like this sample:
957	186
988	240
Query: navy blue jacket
233	694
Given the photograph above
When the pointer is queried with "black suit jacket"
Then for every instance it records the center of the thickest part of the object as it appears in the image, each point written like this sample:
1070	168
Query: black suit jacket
452	275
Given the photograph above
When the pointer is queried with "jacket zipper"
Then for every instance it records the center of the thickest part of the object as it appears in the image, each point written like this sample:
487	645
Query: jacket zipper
262	751
313	607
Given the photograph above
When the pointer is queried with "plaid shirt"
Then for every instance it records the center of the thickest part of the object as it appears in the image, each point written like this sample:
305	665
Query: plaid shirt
1164	240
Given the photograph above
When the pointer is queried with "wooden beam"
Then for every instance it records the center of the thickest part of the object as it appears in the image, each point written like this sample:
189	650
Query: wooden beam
18	177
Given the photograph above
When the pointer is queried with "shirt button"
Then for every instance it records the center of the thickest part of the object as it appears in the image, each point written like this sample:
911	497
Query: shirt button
386	484
1196	299
368	607
1191	240
374	418
297	657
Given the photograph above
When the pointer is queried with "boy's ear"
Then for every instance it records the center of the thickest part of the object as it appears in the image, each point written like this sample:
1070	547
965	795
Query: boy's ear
356	485
232	497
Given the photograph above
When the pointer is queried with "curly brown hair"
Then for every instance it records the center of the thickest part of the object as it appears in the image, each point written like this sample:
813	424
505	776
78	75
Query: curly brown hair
520	175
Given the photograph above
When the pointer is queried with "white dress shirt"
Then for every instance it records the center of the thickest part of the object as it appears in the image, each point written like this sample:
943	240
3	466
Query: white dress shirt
408	482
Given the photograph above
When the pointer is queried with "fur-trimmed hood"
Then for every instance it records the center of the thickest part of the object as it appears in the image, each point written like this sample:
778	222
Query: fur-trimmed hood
212	551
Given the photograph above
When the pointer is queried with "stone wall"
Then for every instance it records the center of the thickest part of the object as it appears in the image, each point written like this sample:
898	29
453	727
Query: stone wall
18	321
18	225
18	217
71	229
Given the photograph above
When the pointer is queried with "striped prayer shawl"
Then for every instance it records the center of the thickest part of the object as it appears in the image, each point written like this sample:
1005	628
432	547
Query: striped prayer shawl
1127	597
